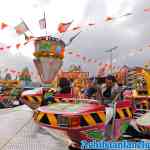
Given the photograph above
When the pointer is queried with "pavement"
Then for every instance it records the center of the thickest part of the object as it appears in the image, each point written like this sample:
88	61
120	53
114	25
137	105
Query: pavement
19	132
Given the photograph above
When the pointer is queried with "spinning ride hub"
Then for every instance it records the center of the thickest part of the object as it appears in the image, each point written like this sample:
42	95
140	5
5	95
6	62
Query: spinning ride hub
49	54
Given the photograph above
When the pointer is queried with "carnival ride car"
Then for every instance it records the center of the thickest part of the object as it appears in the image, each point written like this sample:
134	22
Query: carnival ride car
140	95
140	92
85	120
10	92
79	119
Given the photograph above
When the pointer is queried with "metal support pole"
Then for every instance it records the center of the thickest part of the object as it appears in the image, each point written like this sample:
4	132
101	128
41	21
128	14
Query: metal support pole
111	56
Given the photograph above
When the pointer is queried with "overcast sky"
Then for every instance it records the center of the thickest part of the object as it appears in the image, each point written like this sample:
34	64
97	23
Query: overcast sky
128	33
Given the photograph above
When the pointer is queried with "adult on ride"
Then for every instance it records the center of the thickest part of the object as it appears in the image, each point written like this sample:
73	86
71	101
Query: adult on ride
109	90
90	91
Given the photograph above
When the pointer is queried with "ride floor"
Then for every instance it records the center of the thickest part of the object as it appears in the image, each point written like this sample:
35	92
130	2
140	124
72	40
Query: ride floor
19	132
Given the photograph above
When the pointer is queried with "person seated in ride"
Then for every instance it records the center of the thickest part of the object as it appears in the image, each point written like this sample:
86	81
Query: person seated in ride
109	90
64	86
142	89
90	91
77	86
49	97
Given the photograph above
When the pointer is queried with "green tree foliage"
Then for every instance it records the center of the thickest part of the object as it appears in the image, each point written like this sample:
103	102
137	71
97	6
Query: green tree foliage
74	68
25	75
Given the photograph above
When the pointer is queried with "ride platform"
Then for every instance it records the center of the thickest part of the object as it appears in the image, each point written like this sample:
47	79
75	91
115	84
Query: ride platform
19	132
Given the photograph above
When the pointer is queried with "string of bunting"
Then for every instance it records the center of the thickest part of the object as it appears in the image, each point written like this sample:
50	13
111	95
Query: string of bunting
95	61
64	27
22	27
83	58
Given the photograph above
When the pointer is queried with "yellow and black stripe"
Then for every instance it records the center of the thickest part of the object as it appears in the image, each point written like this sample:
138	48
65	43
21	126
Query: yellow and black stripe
124	113
91	119
144	129
32	101
49	119
87	119
141	128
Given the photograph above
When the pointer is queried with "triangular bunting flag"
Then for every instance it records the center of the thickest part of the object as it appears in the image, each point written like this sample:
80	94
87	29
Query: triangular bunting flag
109	19
91	24
21	28
42	23
76	28
3	25
63	27
18	45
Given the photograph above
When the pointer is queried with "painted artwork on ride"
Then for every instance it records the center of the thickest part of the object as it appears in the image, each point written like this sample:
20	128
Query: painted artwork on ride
49	54
93	134
49	47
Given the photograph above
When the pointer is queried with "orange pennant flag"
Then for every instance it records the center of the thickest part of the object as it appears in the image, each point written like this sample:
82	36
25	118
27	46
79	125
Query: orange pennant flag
108	18
18	45
76	28
3	25
8	47
91	24
63	27
21	28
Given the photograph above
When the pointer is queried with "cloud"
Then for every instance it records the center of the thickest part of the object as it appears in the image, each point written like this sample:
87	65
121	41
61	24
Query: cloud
127	33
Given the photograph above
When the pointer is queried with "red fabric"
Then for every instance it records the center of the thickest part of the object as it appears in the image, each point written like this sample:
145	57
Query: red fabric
109	18
3	25
18	45
125	103
63	27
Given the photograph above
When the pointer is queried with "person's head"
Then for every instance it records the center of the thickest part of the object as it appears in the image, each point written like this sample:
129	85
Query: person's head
90	83
144	85
109	80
